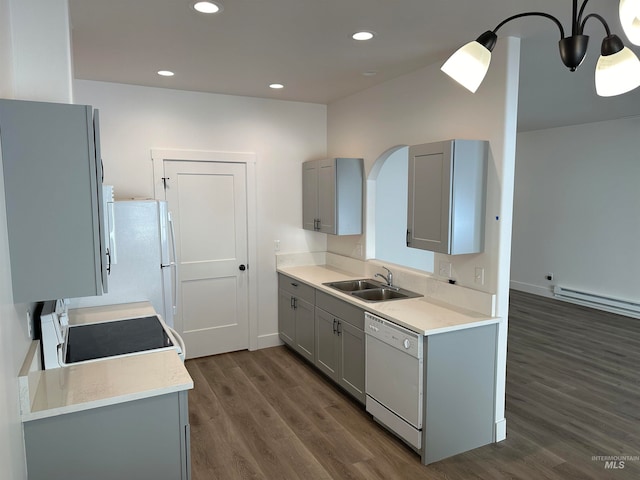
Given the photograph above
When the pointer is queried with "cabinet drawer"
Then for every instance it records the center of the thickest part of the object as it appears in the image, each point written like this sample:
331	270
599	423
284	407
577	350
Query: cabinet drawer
347	312
297	288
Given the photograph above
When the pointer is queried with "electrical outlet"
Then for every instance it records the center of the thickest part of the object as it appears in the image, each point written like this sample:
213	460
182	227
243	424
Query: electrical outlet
479	276
549	276
276	245
445	269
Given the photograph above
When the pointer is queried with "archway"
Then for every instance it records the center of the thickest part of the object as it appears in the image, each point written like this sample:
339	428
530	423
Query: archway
387	190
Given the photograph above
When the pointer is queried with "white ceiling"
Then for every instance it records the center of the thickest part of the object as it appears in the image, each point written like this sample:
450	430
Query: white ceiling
306	45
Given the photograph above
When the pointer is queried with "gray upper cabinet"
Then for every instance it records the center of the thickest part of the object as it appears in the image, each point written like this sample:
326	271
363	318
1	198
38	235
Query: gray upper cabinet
447	196
332	195
53	191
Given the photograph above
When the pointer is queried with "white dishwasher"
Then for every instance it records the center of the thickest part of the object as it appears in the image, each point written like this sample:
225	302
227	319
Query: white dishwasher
394	377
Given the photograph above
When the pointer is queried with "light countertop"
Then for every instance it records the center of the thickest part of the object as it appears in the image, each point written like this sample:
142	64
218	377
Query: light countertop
46	393
422	315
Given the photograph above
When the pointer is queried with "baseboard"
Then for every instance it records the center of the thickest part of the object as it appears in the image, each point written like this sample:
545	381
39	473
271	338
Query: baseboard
270	340
501	430
534	289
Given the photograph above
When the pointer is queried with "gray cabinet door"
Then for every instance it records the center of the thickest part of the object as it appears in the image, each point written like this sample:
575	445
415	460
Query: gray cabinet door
446	199
286	317
327	348
352	353
309	195
304	328
429	196
327	195
332	192
53	197
340	352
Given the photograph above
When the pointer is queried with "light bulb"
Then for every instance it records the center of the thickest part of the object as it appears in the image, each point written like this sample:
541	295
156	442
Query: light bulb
468	65
630	19
618	73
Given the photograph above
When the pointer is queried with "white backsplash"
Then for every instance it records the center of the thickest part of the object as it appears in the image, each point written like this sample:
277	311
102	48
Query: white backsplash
420	282
303	258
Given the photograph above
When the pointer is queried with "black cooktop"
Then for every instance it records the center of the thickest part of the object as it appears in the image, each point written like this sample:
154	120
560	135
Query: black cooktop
108	339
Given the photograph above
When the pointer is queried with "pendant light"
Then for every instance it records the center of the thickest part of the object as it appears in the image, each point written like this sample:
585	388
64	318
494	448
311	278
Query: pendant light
630	19
617	71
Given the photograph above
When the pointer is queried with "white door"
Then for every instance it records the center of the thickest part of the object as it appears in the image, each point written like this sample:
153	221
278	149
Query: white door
208	202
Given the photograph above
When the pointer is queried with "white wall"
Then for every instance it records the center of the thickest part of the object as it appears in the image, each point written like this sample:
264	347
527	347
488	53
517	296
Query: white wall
577	209
427	106
135	120
391	192
24	64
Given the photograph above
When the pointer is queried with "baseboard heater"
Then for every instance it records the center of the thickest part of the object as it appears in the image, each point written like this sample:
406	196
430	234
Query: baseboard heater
614	305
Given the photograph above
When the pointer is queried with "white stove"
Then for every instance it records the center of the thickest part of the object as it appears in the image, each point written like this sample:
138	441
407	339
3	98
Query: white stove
99	333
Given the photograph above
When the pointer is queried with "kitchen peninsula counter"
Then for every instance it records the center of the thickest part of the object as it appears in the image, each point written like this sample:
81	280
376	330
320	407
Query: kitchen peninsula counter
84	386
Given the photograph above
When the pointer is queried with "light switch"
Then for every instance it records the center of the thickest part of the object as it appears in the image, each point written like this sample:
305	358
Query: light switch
479	276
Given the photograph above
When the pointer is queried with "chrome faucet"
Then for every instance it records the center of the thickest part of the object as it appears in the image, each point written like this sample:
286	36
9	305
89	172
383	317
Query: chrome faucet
388	278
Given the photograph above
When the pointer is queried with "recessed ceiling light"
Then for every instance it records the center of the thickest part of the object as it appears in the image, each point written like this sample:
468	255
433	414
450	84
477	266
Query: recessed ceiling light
363	35
276	86
166	73
207	7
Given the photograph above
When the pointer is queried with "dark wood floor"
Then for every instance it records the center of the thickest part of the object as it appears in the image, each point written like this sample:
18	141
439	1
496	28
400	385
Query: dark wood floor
573	392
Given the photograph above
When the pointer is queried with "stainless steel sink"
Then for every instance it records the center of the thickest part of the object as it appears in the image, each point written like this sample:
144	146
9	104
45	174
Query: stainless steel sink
354	285
383	294
371	290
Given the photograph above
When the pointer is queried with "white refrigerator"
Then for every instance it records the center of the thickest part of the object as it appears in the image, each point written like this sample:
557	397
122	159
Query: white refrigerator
142	252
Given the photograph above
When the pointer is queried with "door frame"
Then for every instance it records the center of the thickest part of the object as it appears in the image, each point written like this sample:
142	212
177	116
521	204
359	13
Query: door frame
158	156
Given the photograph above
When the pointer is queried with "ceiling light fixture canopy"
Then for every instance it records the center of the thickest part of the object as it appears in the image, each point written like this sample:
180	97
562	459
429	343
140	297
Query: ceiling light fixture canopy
617	71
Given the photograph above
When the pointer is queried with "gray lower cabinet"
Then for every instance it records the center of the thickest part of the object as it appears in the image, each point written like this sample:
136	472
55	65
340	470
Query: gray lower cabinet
137	440
325	330
296	322
459	391
340	343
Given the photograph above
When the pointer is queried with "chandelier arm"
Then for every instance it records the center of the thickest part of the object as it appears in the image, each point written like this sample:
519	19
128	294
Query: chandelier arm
531	14
602	20
578	18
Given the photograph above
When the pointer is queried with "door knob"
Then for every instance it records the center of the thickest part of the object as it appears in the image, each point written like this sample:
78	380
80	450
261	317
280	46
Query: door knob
242	268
